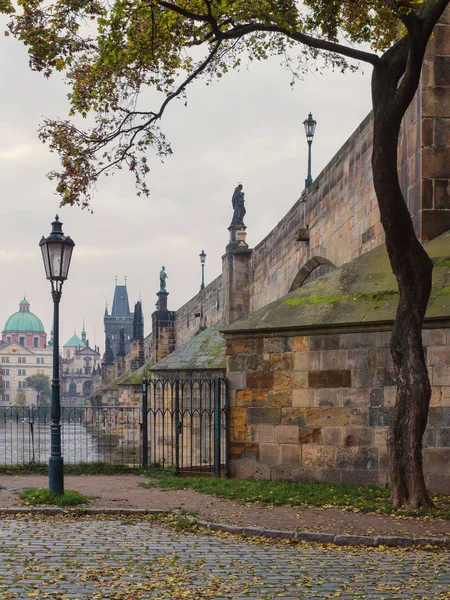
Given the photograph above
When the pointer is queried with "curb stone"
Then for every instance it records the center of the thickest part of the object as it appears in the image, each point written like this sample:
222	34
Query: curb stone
325	538
275	534
56	510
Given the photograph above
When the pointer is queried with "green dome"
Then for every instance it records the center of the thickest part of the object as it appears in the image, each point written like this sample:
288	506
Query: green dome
24	320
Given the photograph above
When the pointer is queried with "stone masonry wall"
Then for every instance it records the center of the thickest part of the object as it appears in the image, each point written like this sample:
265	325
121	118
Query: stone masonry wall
203	310
318	407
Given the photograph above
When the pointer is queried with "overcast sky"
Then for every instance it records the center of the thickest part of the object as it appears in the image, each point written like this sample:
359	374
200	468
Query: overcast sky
246	128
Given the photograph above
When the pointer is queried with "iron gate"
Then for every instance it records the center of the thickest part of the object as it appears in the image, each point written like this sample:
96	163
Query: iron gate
186	424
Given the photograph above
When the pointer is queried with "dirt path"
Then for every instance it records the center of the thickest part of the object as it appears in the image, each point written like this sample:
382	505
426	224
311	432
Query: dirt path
123	491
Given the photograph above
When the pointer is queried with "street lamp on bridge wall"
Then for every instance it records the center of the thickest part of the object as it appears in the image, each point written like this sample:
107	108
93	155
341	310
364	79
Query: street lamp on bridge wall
56	253
310	128
202	261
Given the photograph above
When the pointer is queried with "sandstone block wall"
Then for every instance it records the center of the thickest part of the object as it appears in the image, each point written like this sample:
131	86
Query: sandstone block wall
203	310
318	407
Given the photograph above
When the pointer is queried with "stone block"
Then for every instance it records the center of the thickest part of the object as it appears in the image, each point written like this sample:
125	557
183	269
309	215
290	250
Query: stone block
386	377
357	458
237	380
443	438
335	417
332	436
380	437
376	397
375	358
291	455
442	70
308	361
439	416
277	345
268	454
358	436
445	396
324	342
286	381
441	376
441	193
364	477
429	437
244	469
287	434
263	416
244	346
318	456
265	433
250	398
238	423
300	343
440	355
438	484
254	362
434	223
329	397
235	363
380	417
288	473
334	360
390	396
281	361
383	339
357	358
310	435
329	379
260	381
436	395
280	398
293	416
434	337
364	378
435	101
355	398
302	398
358	340
436	460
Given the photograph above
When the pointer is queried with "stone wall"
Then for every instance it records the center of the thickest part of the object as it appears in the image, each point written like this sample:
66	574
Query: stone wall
318	407
338	219
203	310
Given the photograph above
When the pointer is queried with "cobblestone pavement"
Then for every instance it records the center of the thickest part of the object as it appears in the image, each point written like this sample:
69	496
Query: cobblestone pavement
124	560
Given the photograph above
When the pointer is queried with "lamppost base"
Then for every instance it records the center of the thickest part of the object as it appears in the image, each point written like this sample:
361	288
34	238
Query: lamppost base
56	475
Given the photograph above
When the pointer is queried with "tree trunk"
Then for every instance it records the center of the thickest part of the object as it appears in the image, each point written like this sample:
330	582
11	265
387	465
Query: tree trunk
413	271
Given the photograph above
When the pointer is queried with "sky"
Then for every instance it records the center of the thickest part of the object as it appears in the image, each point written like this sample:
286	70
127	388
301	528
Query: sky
246	128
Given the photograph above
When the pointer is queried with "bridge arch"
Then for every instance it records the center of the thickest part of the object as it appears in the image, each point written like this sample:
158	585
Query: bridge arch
313	268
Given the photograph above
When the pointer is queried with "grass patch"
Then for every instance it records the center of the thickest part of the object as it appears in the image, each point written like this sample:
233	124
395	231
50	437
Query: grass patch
94	468
284	493
40	497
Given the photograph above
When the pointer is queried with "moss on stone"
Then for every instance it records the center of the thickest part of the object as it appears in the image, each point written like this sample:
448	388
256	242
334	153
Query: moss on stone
376	297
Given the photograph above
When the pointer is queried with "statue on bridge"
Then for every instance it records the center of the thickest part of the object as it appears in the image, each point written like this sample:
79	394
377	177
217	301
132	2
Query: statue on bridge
239	208
162	279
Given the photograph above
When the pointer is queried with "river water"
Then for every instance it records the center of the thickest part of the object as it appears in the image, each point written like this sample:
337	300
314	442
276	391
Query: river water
22	442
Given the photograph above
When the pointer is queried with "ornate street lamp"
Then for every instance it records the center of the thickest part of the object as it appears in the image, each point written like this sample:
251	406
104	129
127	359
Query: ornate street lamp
202	261
56	252
310	128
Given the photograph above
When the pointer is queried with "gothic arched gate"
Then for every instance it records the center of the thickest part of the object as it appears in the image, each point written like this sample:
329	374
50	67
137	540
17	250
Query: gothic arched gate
186	424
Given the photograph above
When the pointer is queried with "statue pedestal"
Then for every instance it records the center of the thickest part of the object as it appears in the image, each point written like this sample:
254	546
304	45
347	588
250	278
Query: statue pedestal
237	237
162	300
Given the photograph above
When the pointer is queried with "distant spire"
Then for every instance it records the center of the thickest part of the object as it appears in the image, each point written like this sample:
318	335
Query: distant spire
83	334
116	279
125	280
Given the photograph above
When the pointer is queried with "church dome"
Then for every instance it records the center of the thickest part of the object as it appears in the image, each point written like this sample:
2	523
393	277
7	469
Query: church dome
24	320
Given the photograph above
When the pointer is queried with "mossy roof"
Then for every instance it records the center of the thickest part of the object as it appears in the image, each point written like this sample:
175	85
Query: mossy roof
205	351
361	294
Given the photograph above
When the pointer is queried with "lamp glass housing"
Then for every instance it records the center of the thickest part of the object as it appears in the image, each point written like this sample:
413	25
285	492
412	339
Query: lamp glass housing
202	257
310	127
56	253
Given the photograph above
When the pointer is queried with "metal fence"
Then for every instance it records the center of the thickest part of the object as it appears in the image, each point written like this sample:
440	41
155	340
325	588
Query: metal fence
186	428
187	424
98	434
